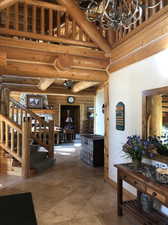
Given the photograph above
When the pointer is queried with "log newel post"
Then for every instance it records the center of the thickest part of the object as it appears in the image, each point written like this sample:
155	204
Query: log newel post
26	147
51	140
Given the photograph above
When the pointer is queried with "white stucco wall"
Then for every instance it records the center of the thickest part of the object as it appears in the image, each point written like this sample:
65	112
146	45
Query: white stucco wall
99	116
127	85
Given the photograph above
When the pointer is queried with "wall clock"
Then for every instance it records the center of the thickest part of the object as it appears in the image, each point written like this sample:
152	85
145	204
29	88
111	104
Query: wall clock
70	99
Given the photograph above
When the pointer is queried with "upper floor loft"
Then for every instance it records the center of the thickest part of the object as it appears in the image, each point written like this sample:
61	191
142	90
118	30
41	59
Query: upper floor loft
50	22
56	36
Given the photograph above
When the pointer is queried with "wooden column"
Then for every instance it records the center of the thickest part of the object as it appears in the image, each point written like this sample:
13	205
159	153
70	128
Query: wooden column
51	140
25	148
106	135
89	28
156	115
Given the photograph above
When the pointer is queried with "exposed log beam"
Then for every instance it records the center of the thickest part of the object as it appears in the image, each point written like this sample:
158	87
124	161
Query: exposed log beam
46	71
51	48
146	40
89	28
49	91
62	61
82	85
45	83
66	62
6	3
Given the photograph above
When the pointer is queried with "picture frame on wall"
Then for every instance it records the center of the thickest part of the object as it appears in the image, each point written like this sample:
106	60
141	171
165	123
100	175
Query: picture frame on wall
34	102
120	116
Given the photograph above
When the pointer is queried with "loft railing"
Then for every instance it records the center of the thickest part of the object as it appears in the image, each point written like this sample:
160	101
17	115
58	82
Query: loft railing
115	38
44	22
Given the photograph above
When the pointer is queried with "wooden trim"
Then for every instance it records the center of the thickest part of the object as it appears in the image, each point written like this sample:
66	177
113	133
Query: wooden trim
44	111
156	91
106	125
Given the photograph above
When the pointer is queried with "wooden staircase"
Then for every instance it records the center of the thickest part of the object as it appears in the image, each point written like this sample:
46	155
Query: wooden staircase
19	131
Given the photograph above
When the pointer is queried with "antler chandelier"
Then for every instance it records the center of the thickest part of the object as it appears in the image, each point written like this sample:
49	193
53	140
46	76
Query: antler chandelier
115	13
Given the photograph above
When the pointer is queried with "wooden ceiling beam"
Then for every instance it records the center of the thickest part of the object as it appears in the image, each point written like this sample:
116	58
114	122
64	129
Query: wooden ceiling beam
51	48
63	61
46	71
49	91
82	85
89	28
6	3
45	83
66	62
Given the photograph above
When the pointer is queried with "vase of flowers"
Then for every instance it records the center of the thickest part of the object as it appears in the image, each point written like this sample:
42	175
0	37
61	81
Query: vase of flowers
134	149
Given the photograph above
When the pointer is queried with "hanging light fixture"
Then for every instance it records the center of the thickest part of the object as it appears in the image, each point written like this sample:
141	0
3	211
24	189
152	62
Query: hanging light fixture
68	84
114	13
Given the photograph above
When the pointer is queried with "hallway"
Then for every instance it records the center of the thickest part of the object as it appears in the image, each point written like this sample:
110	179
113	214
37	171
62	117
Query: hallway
71	193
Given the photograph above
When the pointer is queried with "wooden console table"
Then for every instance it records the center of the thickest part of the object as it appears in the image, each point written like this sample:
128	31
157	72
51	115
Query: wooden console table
143	184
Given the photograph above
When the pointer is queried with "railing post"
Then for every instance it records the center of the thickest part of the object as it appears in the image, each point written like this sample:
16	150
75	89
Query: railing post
25	148
51	139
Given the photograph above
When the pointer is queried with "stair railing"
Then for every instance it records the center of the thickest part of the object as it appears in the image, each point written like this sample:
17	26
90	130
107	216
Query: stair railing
41	131
16	141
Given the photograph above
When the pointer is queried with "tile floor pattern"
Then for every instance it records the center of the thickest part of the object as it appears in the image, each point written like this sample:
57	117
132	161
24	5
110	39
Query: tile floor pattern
71	193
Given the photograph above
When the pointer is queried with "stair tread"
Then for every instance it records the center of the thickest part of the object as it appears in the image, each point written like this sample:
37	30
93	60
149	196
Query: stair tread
43	165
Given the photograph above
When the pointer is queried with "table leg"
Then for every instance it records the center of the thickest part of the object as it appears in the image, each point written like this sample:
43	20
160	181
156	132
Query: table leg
119	194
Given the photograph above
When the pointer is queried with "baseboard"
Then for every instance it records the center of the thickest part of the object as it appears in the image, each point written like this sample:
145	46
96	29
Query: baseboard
114	185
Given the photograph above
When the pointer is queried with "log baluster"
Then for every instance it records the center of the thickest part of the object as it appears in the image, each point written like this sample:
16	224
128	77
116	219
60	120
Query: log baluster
34	19
25	18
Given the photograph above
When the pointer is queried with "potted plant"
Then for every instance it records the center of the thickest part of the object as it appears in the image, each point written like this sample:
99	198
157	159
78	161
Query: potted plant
134	149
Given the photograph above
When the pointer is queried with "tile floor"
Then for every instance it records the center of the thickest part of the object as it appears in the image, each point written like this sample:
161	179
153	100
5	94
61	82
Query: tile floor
70	193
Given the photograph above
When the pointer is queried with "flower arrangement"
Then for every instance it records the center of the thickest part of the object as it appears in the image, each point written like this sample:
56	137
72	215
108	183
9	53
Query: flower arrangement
134	147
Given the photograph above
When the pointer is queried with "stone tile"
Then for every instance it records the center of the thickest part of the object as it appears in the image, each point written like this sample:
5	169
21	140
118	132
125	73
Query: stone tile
70	193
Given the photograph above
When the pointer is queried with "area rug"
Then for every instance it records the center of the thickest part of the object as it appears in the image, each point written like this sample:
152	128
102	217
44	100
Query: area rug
17	209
